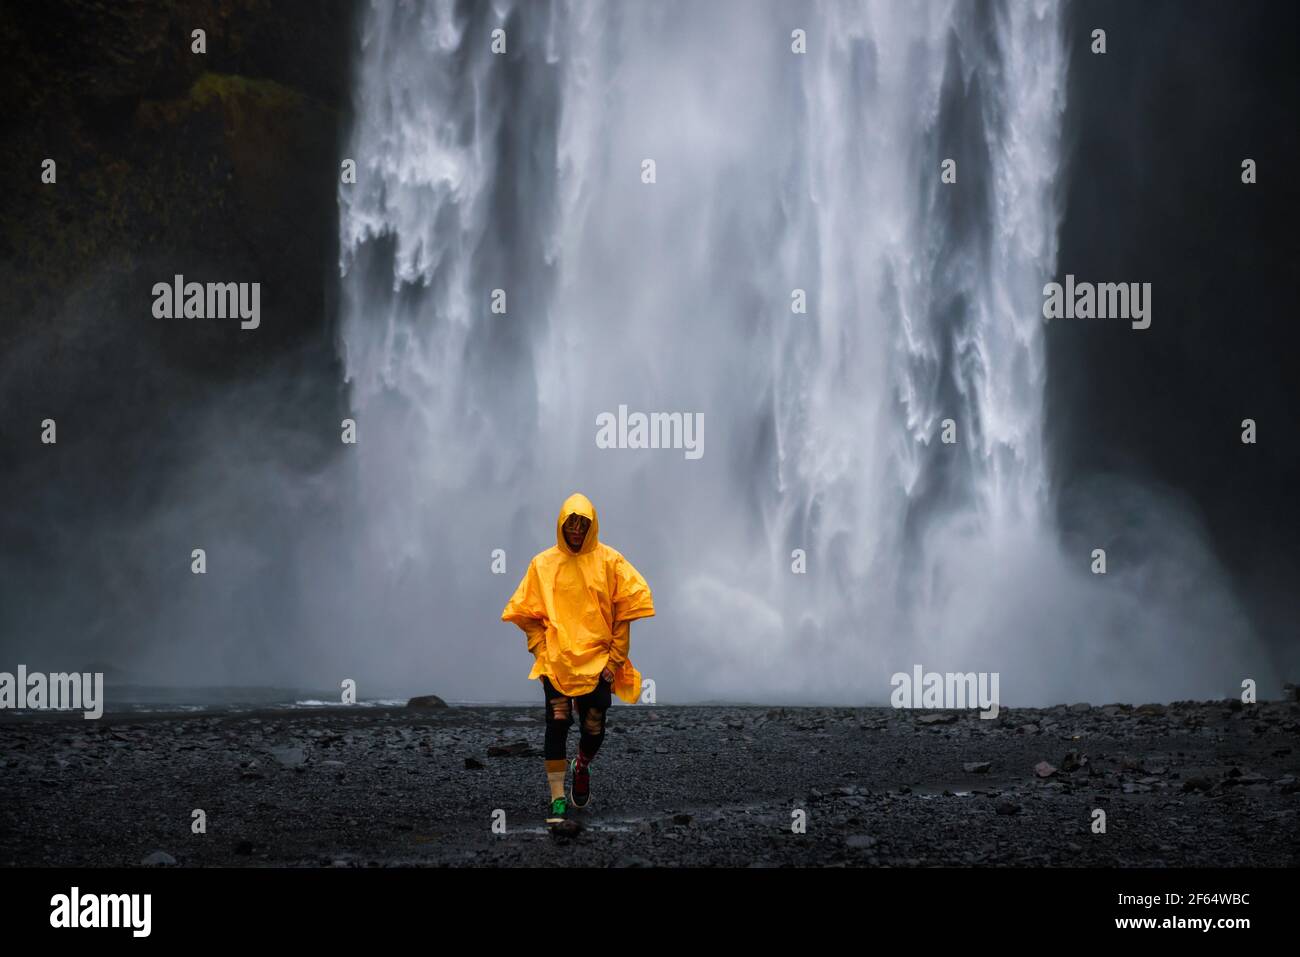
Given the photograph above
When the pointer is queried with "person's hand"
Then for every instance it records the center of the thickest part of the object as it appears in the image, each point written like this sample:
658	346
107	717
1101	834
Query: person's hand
607	674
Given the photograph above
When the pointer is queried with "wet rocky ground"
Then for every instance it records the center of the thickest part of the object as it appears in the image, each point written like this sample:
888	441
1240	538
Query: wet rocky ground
1192	783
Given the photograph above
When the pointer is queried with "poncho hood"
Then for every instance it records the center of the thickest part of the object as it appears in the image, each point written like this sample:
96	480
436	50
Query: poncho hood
577	504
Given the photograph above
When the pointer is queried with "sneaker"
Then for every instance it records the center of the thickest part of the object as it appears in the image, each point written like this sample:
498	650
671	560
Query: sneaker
580	789
559	811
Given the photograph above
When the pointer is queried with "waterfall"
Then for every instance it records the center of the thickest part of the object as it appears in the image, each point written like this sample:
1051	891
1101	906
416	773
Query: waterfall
775	171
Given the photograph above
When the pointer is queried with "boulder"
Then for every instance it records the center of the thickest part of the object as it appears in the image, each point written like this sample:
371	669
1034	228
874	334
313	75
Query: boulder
426	701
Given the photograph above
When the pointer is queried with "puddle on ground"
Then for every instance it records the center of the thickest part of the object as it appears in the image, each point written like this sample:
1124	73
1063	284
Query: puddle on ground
543	829
631	820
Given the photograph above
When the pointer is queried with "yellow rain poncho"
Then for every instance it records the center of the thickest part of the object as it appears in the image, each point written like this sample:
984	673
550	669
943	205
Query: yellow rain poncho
576	607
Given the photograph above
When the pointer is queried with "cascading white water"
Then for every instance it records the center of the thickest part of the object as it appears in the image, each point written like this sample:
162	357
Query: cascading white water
776	171
926	310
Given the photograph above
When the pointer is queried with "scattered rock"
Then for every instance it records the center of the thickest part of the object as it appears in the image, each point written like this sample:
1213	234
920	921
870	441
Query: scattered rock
945	717
513	749
426	701
1246	780
289	756
568	828
877	811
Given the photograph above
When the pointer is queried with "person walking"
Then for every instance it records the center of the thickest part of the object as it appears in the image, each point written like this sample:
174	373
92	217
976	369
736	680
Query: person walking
576	604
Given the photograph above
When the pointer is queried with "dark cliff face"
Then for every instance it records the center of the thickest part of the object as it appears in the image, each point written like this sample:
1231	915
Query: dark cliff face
223	161
1158	127
219	166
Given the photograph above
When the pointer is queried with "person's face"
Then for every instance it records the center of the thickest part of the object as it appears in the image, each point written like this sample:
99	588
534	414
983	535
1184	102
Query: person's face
575	530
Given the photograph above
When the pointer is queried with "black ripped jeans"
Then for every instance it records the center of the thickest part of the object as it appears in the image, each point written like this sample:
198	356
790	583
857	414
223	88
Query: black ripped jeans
559	718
